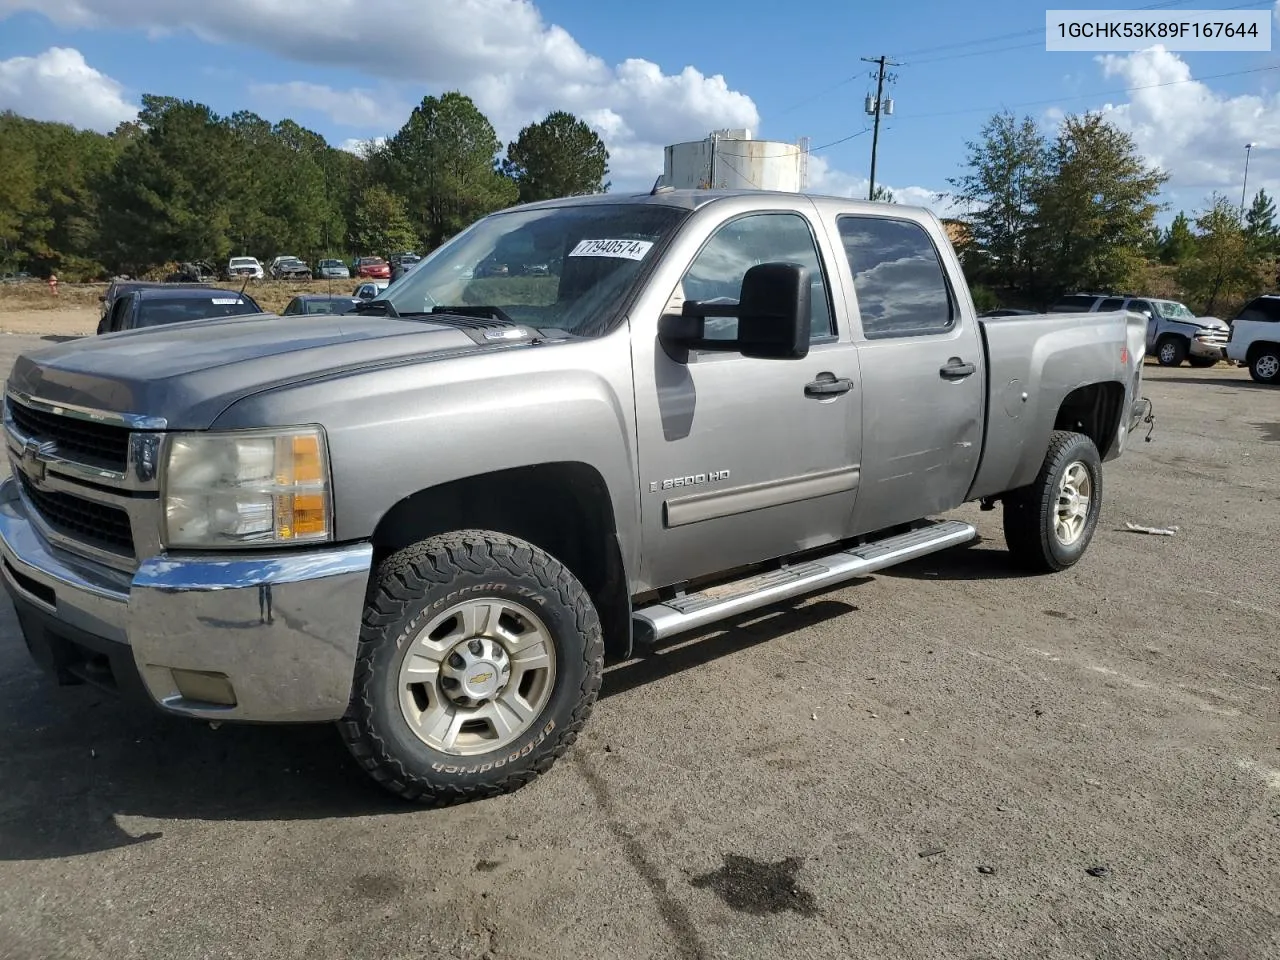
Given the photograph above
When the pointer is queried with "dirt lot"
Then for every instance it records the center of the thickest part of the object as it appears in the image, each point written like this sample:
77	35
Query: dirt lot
30	308
924	765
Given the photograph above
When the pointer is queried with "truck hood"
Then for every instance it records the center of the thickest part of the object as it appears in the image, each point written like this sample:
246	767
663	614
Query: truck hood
1212	323
188	373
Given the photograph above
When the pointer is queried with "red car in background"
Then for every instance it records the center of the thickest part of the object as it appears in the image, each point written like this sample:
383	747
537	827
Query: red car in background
373	268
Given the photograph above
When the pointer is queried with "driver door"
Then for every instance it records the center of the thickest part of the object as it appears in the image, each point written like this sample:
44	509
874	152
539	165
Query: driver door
741	459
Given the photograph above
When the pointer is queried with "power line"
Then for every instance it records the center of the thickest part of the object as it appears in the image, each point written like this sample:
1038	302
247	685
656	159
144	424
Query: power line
978	41
1052	100
1020	33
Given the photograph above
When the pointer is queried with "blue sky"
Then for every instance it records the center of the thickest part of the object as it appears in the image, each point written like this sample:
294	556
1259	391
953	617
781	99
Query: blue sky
351	69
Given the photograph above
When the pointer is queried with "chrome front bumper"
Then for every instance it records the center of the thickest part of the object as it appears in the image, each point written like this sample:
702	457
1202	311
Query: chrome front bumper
261	637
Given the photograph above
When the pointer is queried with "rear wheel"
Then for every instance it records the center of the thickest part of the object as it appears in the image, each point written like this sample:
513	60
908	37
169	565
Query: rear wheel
1049	524
1264	365
1171	351
480	659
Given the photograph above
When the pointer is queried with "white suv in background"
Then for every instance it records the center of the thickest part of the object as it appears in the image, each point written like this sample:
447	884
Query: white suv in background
1255	338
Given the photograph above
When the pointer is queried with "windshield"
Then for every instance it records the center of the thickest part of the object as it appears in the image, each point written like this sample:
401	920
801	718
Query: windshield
1174	310
566	268
154	313
243	261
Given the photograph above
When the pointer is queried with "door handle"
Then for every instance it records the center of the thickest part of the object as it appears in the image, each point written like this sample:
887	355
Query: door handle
956	369
827	385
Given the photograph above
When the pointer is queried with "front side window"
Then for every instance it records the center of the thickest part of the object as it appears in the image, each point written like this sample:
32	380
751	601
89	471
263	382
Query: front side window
900	283
716	273
569	268
1111	304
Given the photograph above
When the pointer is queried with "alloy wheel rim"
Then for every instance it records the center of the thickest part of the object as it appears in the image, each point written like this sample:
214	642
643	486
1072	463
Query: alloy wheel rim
1075	500
477	676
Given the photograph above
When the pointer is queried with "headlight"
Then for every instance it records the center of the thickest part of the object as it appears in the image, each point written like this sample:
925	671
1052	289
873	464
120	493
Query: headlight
247	488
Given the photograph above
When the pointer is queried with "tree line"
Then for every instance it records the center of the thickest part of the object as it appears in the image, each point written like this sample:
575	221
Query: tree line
181	183
1077	212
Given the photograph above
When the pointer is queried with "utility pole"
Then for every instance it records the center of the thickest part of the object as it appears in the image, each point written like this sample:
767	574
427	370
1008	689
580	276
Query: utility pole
1248	149
877	108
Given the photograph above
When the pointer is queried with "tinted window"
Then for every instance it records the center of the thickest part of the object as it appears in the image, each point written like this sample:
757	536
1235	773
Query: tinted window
901	287
1137	306
1112	303
152	313
716	273
1261	310
328	306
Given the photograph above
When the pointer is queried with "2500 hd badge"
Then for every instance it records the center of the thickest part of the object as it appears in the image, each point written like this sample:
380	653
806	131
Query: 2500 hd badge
693	480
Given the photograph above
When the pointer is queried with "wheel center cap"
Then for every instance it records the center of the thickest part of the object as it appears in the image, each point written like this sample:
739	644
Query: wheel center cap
482	679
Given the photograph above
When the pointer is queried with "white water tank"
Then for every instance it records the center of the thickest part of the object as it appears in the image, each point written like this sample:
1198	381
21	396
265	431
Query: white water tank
740	163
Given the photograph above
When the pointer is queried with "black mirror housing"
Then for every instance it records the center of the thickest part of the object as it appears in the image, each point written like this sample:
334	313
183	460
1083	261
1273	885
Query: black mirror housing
773	310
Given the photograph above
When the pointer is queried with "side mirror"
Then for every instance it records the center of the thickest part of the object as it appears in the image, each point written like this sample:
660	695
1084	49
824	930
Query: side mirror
773	311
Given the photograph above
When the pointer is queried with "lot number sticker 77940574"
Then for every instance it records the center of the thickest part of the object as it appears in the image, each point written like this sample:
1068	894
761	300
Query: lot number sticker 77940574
624	249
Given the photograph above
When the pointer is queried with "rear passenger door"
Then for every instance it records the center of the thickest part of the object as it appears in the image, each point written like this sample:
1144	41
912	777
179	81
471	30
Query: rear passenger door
923	371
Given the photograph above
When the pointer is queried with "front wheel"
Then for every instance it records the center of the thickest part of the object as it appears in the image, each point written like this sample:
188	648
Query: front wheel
1264	365
480	659
1049	523
1171	351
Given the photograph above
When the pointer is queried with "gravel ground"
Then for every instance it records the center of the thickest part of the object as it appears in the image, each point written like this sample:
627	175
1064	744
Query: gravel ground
943	761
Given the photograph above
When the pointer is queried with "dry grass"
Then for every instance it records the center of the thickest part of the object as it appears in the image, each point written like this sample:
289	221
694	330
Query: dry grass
271	295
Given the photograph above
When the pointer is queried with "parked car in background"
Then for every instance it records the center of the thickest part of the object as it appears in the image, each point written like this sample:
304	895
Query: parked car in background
402	264
1174	333
330	269
193	271
373	268
1255	338
316	303
119	288
370	289
240	267
157	306
290	268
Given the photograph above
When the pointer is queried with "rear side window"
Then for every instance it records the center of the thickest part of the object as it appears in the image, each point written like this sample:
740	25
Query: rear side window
1261	310
901	286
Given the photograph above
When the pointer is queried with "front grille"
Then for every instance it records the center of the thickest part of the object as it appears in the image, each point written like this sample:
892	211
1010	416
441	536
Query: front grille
87	520
101	443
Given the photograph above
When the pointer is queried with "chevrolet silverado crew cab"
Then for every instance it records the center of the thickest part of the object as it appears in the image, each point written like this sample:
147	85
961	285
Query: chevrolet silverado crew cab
431	520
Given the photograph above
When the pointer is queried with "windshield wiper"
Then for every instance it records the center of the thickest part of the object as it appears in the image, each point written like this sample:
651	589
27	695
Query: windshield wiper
479	312
383	307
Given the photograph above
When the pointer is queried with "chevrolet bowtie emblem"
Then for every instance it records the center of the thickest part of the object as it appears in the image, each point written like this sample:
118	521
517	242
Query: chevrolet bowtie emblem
32	463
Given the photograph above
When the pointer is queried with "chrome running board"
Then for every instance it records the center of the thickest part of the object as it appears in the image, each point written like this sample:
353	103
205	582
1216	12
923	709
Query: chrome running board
713	604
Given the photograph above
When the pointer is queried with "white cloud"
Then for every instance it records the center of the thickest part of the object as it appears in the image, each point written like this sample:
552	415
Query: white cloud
502	53
358	108
1192	132
824	179
58	85
361	147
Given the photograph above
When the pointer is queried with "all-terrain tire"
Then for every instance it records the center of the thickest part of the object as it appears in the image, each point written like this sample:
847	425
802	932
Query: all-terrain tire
1031	513
414	585
1171	351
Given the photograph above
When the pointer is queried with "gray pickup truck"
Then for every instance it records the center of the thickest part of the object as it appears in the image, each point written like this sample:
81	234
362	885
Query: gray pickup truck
431	521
